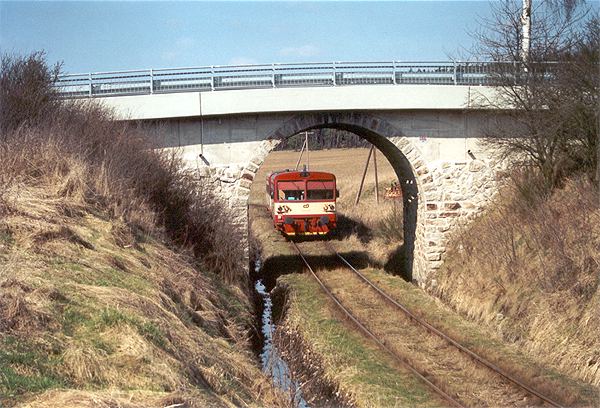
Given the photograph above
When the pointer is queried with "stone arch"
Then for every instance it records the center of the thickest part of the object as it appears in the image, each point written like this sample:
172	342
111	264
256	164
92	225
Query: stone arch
406	159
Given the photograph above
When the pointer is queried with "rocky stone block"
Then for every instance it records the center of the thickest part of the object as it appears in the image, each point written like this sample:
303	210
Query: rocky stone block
476	165
449	214
433	257
245	183
452	206
247	175
435	264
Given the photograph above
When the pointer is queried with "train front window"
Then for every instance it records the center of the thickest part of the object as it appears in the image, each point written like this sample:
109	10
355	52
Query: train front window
290	190
320	190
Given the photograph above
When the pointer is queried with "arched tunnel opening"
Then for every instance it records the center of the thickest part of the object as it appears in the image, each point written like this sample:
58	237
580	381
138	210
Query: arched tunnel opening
400	258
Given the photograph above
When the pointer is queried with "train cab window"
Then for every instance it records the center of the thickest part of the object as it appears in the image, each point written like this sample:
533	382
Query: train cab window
320	190
290	190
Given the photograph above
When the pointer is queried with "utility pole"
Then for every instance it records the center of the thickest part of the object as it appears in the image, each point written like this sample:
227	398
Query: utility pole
376	177
362	180
526	25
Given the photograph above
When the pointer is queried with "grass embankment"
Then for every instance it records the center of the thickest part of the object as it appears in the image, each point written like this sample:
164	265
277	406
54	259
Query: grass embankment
528	269
363	375
93	312
117	269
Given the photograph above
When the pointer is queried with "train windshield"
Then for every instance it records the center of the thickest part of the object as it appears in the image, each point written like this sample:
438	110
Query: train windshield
320	190
290	190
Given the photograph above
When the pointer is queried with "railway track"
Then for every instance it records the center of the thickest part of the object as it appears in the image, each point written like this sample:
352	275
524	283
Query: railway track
505	386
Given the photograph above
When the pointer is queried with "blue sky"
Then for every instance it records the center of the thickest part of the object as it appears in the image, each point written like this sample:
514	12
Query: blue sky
104	36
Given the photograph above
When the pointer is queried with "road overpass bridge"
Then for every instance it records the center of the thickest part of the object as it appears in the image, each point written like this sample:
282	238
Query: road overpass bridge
427	119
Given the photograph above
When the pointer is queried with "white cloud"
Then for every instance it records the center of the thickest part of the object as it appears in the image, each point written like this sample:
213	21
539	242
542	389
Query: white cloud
303	51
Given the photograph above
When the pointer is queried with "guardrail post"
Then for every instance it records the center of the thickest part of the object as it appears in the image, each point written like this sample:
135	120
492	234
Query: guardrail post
151	81
212	78
91	92
273	75
394	72
334	72
454	73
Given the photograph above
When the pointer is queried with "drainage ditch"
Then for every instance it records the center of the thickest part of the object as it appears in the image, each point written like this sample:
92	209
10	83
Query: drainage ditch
285	356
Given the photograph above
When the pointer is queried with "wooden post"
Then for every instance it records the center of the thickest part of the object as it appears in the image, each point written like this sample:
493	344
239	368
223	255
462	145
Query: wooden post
362	181
376	179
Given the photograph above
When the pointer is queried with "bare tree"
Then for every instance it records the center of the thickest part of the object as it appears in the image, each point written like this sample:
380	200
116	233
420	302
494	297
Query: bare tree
549	94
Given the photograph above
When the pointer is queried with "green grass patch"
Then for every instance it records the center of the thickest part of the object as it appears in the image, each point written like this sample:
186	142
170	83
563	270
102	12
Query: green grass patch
86	323
105	276
365	370
110	317
25	368
153	333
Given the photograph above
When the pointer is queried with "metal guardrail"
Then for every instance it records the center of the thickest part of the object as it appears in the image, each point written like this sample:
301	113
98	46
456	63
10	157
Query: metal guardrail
214	78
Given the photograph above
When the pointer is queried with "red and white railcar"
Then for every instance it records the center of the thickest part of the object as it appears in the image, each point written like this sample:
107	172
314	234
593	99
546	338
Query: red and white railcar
302	202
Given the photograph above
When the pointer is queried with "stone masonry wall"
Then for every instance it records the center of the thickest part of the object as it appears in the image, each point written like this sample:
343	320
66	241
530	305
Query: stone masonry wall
456	194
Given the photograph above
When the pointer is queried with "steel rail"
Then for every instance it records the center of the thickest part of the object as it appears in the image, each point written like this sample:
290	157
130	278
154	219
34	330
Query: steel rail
444	336
370	334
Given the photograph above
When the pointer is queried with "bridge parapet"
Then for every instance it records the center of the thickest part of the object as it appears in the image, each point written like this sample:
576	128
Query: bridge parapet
215	78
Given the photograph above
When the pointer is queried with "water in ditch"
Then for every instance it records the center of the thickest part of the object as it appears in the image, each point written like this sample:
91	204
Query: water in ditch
271	360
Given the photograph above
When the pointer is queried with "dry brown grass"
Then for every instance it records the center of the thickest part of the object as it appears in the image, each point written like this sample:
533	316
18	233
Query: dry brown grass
122	399
446	366
530	270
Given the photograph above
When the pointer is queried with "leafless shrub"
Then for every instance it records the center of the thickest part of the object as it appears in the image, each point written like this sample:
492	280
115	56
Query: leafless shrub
26	92
80	152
